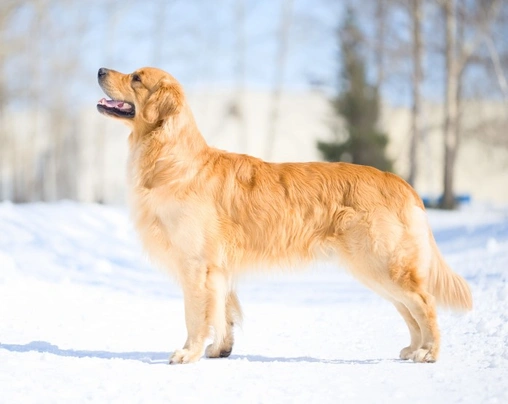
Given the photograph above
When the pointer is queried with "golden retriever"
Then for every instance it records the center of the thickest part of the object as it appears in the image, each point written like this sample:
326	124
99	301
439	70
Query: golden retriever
206	215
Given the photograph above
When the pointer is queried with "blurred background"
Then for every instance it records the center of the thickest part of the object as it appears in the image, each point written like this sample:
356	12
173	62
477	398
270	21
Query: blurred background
418	87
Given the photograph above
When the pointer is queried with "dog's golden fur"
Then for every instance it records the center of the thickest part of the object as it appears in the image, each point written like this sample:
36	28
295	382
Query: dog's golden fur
205	215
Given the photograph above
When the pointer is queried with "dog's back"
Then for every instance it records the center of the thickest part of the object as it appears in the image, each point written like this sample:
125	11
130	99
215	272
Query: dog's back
278	213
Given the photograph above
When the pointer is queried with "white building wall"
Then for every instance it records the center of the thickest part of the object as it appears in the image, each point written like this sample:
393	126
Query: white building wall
481	171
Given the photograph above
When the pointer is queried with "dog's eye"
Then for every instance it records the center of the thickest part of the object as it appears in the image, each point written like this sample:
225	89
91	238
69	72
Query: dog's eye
135	77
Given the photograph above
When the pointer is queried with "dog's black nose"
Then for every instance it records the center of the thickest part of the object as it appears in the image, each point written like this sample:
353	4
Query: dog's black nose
102	72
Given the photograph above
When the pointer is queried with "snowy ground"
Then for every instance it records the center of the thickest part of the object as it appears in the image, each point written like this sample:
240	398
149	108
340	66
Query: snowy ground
83	317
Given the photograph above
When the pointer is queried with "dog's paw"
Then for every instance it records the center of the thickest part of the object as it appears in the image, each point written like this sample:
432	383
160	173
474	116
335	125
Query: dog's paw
213	351
184	356
422	355
406	353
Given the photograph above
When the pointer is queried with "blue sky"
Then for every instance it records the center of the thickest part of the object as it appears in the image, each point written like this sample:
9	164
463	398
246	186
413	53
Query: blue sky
197	41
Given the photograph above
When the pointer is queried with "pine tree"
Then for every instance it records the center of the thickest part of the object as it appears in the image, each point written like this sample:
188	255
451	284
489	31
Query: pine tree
358	104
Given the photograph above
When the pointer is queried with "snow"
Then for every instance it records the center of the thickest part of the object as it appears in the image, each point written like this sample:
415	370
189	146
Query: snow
84	317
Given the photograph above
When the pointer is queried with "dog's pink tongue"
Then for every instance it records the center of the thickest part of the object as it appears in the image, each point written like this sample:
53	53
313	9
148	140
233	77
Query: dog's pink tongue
115	104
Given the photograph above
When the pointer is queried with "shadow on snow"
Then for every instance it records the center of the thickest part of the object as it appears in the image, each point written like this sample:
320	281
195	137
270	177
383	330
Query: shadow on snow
46	347
163	357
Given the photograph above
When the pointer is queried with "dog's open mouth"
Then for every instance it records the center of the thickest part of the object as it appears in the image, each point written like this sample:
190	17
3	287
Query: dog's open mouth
121	109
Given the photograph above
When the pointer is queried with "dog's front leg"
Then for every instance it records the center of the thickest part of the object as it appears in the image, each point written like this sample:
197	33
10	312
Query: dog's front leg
230	311
196	301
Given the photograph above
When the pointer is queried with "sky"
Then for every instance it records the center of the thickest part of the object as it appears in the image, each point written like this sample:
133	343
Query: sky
201	44
197	41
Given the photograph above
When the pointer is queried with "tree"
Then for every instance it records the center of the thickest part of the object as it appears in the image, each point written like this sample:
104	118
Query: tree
280	70
380	41
458	54
6	9
358	104
451	104
416	109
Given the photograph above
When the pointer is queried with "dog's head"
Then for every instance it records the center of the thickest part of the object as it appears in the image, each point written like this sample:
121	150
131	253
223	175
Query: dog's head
148	95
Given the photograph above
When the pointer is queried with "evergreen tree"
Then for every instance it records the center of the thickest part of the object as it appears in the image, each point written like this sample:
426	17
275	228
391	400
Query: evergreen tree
358	104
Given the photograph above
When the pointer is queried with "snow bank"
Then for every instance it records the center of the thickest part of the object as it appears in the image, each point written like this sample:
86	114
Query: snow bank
84	317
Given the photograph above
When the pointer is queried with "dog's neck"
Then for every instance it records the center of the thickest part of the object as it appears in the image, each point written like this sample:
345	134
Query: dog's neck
172	150
178	131
183	133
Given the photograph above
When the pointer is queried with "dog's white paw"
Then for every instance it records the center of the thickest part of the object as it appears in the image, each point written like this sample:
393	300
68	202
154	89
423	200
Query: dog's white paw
422	355
184	356
407	353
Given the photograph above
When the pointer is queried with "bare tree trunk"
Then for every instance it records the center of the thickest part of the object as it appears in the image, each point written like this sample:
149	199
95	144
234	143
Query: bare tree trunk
98	174
7	9
14	170
33	181
159	23
237	108
4	138
380	42
451	107
498	69
458	55
416	110
285	24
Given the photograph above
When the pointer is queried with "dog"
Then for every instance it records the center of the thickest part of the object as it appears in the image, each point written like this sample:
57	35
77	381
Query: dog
206	215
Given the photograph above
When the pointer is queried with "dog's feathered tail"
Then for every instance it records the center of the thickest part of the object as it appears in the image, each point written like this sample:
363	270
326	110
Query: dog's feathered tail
450	289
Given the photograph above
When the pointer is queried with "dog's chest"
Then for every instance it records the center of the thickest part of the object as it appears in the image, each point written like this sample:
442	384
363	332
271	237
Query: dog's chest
167	227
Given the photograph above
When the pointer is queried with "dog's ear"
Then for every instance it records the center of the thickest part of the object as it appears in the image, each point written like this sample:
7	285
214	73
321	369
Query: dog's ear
163	102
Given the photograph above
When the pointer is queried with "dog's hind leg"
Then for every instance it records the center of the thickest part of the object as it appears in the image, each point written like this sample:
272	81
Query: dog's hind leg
422	308
391	258
222	347
417	308
217	285
410	291
414	331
